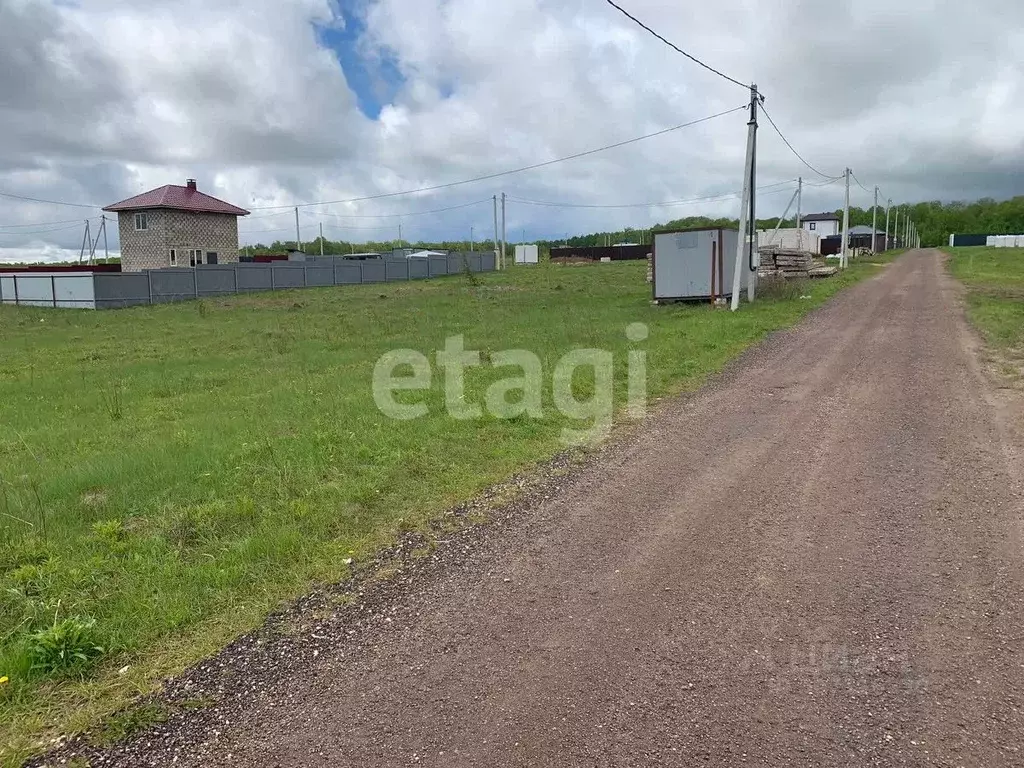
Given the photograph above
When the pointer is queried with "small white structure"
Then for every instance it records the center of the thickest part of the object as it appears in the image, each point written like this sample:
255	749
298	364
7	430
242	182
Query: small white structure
424	254
526	254
990	241
696	264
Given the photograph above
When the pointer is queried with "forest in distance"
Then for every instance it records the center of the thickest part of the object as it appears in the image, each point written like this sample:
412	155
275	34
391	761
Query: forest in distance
935	221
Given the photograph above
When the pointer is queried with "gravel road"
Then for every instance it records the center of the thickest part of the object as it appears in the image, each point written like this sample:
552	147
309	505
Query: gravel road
815	561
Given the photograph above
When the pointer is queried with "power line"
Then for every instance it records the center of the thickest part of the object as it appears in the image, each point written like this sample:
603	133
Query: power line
792	149
870	192
499	174
41	224
395	215
49	202
675	47
708	199
44	231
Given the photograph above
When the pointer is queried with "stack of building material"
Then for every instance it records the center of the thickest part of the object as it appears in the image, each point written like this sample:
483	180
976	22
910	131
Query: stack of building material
787	263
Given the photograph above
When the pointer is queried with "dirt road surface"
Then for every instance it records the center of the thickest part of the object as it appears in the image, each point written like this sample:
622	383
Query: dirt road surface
815	561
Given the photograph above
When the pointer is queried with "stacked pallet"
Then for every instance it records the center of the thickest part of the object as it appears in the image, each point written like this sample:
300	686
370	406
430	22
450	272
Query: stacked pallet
788	263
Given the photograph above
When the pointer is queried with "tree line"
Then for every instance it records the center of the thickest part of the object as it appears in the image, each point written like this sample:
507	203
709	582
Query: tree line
935	222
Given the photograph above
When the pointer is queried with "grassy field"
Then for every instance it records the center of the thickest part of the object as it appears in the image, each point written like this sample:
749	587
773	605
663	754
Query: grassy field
995	300
170	474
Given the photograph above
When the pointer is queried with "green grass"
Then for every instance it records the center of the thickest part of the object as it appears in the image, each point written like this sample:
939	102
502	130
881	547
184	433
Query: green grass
170	474
995	297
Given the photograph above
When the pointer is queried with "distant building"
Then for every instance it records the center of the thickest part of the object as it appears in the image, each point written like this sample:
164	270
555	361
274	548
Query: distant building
174	226
861	237
821	224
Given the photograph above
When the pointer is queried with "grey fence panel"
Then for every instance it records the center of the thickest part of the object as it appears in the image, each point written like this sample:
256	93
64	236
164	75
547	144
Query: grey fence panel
438	265
121	289
475	262
419	268
348	274
288	276
254	278
395	269
171	284
373	271
487	260
454	263
319	274
215	281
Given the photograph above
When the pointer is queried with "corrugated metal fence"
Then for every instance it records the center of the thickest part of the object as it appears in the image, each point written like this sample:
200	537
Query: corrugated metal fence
114	290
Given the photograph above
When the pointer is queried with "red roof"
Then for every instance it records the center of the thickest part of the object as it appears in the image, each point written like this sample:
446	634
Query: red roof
179	198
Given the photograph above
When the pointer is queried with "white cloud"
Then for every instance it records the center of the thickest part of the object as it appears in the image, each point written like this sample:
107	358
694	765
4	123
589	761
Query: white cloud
105	98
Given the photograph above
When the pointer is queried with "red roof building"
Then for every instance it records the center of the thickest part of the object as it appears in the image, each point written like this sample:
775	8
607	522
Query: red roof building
174	226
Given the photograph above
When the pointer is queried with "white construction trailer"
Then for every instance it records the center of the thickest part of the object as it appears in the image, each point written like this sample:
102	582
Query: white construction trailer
697	264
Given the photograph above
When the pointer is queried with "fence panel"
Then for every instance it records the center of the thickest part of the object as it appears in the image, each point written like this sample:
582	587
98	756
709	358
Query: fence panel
395	269
254	278
319	274
121	289
418	269
373	271
288	276
216	281
348	274
172	284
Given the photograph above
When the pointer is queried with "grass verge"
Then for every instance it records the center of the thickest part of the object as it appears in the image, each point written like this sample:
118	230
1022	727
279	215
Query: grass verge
170	474
994	278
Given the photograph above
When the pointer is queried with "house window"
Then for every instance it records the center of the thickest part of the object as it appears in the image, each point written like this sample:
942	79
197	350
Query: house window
813	226
141	222
211	257
173	257
195	257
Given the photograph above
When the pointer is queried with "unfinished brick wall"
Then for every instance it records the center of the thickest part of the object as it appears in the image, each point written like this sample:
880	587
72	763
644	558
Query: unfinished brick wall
182	231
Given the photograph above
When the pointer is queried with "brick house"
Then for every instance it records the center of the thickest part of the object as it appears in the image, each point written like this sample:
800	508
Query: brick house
174	226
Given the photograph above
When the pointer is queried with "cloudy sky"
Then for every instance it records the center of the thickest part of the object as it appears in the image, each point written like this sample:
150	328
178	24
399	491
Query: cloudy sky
282	102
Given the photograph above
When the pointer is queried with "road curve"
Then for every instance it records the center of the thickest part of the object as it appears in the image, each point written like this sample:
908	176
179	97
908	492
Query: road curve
815	561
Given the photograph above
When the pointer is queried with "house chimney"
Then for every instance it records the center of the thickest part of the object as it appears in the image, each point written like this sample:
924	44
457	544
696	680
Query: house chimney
190	183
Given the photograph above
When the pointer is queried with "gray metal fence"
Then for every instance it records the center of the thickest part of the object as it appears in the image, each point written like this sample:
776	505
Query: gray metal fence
112	290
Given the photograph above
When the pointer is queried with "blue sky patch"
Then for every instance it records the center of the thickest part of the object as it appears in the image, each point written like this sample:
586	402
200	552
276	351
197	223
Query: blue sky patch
375	79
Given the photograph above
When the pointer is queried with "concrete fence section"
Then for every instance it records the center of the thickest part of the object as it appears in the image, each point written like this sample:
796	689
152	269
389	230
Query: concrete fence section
112	290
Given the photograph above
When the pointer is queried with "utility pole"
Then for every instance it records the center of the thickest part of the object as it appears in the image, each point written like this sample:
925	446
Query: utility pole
321	239
471	243
503	244
497	261
844	258
799	199
896	230
746	202
887	205
298	237
874	222
106	252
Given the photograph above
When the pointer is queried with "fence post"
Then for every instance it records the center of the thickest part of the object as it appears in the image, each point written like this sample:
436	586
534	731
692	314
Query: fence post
16	300
305	274
234	271
53	289
195	281
149	284
272	285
